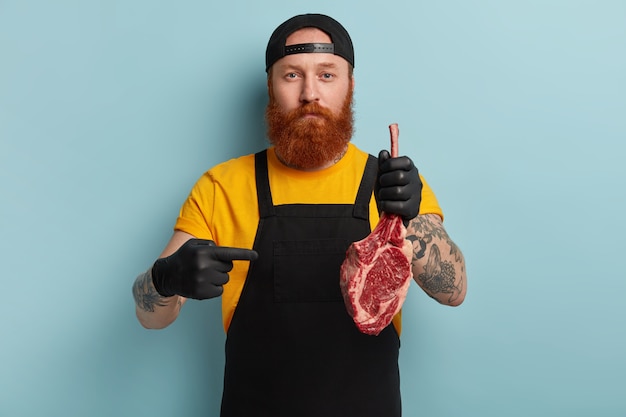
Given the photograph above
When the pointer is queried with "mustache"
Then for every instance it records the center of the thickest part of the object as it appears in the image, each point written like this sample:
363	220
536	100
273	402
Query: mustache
310	108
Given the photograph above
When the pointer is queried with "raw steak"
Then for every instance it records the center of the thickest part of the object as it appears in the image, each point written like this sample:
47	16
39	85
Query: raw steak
376	274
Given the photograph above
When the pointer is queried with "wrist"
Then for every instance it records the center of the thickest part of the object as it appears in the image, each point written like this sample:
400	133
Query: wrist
147	299
160	278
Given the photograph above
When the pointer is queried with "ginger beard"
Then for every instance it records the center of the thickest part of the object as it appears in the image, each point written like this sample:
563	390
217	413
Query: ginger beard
309	143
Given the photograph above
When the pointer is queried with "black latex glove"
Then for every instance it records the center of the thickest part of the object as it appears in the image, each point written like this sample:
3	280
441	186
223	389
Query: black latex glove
198	269
398	186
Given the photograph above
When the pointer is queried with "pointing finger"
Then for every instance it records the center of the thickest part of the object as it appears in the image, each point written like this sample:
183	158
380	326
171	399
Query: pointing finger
227	254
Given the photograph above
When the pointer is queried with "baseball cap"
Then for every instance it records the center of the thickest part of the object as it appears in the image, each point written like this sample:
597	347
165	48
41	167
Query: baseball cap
341	43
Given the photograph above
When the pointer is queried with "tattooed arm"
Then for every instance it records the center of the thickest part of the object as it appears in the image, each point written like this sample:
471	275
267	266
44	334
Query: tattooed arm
153	310
438	264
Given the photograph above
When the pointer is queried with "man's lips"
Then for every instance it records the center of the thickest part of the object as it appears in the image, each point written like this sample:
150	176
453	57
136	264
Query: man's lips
313	112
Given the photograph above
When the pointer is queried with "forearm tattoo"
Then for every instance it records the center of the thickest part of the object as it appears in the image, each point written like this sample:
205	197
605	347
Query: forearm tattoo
146	296
439	277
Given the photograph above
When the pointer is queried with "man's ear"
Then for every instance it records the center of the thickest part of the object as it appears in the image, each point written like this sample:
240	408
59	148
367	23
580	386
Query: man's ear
270	93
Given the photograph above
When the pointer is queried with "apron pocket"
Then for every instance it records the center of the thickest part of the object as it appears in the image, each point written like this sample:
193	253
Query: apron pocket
308	270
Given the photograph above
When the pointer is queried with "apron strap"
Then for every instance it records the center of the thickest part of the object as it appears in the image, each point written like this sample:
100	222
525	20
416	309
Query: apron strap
363	196
264	194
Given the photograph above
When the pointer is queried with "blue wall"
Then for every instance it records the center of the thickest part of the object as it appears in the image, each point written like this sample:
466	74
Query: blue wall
515	112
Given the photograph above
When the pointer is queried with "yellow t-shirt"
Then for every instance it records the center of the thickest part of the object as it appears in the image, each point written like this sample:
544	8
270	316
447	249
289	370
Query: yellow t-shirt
222	205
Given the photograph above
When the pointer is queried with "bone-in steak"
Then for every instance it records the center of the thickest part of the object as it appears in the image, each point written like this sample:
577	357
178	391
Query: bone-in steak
376	274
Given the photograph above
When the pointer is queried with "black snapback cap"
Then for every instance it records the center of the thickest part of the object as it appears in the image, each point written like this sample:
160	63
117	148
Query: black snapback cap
341	43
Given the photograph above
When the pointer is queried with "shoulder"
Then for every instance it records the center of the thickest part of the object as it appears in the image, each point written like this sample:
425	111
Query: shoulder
243	163
231	173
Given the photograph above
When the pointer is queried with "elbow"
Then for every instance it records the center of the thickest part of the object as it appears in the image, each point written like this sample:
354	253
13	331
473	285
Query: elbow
149	321
456	300
148	325
458	296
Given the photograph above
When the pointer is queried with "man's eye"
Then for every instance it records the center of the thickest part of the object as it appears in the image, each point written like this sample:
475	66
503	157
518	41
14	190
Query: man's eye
327	76
292	75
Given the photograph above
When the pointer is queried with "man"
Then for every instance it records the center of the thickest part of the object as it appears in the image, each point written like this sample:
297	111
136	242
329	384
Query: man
269	231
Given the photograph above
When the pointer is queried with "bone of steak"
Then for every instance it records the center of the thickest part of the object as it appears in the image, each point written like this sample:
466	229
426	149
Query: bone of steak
376	274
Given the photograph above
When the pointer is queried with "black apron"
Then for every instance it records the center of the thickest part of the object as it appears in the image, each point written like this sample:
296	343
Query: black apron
292	350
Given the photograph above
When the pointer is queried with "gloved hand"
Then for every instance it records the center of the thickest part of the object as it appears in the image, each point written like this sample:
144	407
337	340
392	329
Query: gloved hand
198	269
398	186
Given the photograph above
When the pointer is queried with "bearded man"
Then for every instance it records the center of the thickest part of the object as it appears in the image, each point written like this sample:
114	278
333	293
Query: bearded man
268	233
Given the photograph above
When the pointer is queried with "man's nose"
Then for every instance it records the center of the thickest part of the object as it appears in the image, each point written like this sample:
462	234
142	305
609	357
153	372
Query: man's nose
309	91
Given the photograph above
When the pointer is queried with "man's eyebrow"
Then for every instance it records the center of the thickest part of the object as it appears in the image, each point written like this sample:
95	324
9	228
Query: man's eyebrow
289	67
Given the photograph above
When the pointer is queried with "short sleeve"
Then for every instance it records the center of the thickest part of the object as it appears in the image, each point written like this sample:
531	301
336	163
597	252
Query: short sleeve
429	203
195	214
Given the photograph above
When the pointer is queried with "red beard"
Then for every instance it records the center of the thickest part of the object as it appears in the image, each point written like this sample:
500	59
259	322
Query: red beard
309	143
